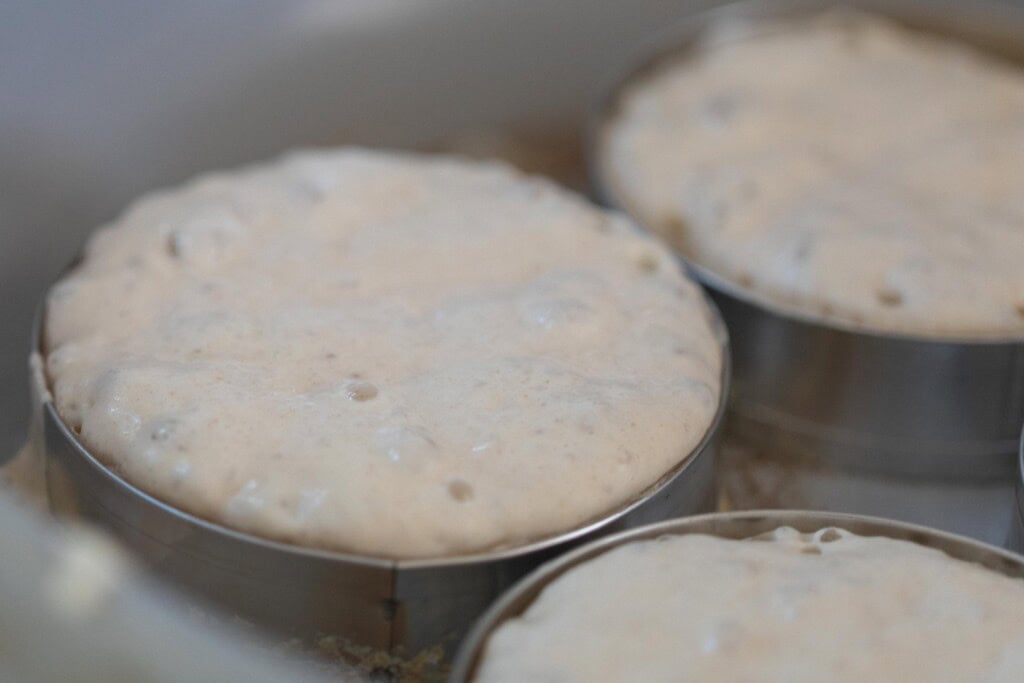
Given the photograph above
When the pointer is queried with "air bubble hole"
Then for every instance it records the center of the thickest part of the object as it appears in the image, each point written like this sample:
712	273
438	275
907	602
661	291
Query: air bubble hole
360	391
460	490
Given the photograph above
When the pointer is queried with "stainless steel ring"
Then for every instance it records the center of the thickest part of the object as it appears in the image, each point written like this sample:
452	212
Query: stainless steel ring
734	525
1016	539
399	607
835	394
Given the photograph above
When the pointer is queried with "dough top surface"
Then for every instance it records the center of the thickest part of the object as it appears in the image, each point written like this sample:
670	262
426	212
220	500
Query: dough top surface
837	166
387	354
790	607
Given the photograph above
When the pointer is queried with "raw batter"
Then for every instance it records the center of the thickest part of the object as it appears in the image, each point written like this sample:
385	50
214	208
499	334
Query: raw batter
838	166
394	355
829	607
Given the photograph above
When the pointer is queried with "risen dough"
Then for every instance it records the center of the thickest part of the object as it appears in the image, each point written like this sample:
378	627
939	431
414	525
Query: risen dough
388	354
838	166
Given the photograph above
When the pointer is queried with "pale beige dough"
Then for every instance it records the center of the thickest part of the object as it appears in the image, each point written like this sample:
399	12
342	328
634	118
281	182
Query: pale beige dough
831	606
837	166
388	354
